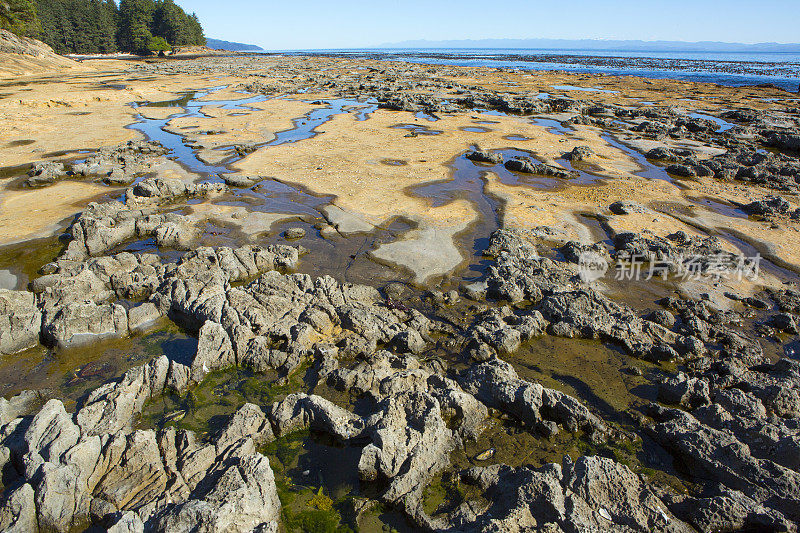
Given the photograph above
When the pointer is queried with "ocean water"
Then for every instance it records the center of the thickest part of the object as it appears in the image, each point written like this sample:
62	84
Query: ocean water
724	68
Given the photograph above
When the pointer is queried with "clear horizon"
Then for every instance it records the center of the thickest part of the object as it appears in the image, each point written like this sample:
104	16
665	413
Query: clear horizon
360	24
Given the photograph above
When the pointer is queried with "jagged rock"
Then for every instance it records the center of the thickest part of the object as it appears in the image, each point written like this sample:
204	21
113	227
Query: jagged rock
244	498
662	317
44	173
521	274
519	499
520	165
688	169
585	313
788	300
248	422
244	149
120	165
259	357
19	405
776	171
50	434
101	227
718	455
505	331
300	411
111	407
178	377
178	234
120	176
496	384
783	141
575	252
127	480
593	494
683	390
57	461
627	207
60	497
476	291
784	322
294	233
395	291
18	511
191	461
235	180
20	321
214	351
731	510
467	412
769	207
127	523
160	188
68	287
482	156
527	167
76	324
73	297
408	341
371	371
579	153
410	443
142	316
597	482
135	473
784	401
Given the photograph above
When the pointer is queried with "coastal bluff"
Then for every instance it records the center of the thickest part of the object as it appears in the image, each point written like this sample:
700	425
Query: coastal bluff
22	56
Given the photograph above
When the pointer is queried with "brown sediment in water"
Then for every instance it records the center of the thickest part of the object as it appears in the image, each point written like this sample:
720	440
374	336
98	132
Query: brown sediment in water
71	373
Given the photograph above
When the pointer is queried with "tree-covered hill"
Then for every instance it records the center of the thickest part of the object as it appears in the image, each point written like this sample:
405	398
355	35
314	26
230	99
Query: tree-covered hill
219	44
101	26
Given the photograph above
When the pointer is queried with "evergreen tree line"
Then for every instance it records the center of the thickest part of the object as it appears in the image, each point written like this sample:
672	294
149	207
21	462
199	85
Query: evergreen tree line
100	26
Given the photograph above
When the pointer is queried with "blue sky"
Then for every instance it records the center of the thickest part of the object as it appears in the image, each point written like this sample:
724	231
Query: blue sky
360	23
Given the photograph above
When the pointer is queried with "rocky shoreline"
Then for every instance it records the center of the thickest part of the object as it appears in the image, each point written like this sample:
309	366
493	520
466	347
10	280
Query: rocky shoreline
427	387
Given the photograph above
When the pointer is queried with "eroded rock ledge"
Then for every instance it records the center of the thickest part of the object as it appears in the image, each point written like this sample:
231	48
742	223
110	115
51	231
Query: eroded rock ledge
731	418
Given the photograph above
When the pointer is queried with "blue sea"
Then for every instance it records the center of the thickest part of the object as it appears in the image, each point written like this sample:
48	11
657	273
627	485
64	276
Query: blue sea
724	68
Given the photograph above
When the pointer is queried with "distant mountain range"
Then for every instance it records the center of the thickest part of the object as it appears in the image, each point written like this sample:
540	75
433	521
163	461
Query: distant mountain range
601	44
218	44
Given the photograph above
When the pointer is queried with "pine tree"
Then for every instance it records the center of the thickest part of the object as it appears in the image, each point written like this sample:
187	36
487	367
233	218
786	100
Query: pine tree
171	23
99	26
105	27
18	16
197	30
136	18
61	28
80	24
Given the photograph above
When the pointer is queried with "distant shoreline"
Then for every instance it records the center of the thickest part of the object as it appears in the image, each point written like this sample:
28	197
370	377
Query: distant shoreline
550	50
601	45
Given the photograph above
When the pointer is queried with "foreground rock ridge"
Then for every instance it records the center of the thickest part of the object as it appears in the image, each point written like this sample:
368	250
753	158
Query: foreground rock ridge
527	395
